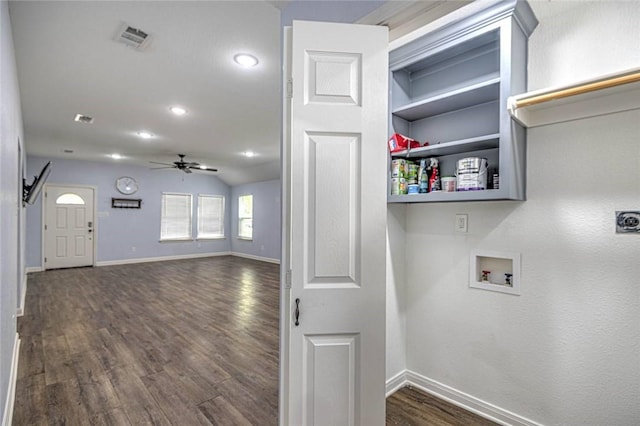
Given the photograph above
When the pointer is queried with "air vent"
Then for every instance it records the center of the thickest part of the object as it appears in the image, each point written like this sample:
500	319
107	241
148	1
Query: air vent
133	37
67	151
83	119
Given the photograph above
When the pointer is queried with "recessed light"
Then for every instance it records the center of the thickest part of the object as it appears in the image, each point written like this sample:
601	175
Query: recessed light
249	154
177	110
245	60
116	156
145	135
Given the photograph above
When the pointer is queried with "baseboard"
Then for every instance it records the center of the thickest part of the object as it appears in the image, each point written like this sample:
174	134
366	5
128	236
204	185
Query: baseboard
30	269
396	382
7	418
20	310
161	258
466	401
260	258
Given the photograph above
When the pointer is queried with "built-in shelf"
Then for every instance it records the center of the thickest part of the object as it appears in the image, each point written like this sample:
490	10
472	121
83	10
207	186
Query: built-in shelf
452	147
599	96
479	93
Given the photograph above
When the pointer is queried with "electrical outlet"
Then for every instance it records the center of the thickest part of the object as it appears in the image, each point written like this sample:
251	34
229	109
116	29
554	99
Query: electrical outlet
627	221
462	223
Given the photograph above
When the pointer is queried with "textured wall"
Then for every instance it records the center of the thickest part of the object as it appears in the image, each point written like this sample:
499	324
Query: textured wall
567	351
266	219
119	230
10	270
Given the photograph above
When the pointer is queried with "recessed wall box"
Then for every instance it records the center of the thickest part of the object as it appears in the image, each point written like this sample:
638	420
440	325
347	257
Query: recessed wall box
495	271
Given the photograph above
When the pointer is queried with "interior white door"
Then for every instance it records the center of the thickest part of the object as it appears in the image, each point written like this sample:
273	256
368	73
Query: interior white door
336	231
68	226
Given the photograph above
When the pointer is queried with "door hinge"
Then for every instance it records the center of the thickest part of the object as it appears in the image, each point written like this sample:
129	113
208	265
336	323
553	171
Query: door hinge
290	88
45	227
287	279
45	260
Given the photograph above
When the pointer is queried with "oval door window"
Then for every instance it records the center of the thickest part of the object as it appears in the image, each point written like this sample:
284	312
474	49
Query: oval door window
69	198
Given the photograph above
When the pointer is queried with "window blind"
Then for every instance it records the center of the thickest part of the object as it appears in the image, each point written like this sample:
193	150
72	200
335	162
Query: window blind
176	216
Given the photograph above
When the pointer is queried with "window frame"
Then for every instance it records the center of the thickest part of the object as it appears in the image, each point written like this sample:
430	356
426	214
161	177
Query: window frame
241	218
162	217
221	219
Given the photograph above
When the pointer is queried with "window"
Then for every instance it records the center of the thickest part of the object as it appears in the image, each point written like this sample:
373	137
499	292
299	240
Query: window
69	198
175	223
210	216
245	217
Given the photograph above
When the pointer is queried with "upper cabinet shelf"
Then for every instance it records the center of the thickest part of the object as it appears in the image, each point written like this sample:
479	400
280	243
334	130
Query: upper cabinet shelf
604	95
471	95
449	87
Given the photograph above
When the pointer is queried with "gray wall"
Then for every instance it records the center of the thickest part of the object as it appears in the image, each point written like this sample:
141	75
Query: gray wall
328	11
266	220
118	231
10	211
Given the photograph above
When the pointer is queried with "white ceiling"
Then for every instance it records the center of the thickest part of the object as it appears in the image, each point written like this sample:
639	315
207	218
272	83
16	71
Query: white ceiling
69	63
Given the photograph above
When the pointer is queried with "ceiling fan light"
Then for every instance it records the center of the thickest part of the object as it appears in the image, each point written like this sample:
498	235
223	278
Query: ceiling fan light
202	166
245	60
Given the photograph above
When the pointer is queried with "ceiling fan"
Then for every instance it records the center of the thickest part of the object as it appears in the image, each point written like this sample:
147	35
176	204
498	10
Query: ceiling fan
185	166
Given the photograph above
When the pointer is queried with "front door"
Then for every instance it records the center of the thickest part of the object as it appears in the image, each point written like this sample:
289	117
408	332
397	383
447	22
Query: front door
336	207
68	226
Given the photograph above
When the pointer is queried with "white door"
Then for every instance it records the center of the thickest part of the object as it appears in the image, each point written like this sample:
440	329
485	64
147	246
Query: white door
336	176
68	226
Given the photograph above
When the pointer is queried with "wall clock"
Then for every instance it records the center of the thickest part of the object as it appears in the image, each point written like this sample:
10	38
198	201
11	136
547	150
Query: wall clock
126	185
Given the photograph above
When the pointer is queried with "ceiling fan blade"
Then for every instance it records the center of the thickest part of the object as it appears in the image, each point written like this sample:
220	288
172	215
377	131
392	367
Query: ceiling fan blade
187	170
202	169
158	168
164	164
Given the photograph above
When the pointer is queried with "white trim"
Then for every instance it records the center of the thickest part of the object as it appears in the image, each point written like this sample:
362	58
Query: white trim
20	310
396	383
466	401
260	258
161	258
13	377
30	269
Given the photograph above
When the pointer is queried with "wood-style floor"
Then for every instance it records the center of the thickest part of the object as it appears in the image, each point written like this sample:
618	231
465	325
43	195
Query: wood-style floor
184	342
188	342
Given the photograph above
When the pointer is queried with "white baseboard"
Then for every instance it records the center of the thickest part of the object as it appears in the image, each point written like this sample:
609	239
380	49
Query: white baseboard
396	383
13	377
260	258
29	269
456	397
20	310
160	258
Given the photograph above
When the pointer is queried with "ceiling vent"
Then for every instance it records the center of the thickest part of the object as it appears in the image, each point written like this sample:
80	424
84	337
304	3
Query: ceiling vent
133	37
80	118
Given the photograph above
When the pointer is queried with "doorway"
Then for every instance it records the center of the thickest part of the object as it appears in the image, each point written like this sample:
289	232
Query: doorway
69	239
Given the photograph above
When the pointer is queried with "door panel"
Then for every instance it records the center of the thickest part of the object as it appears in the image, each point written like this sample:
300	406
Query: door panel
336	226
69	233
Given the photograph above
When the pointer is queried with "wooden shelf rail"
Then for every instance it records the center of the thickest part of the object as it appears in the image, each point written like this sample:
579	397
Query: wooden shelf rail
576	101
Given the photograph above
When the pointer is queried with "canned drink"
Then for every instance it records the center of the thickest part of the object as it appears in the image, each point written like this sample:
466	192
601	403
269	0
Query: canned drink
398	169
398	186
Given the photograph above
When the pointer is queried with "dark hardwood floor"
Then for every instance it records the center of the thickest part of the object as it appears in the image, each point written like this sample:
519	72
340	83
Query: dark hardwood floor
188	342
412	407
184	342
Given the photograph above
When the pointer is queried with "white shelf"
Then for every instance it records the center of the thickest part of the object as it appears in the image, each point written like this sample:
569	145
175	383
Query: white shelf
604	95
450	148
